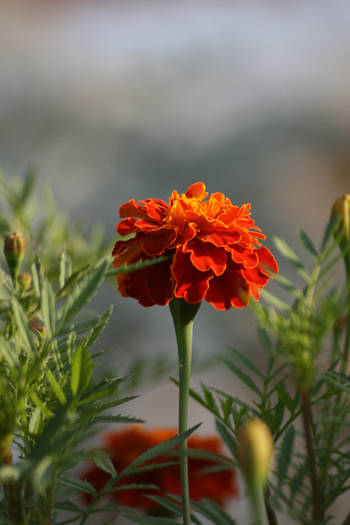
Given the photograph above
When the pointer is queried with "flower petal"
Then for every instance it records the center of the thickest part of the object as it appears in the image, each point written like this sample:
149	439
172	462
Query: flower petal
205	256
190	283
229	289
197	191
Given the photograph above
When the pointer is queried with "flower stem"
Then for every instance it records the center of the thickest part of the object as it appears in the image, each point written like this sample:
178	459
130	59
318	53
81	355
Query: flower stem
317	500
183	314
258	504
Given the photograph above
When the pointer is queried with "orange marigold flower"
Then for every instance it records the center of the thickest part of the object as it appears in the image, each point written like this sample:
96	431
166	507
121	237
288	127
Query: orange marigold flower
125	446
214	250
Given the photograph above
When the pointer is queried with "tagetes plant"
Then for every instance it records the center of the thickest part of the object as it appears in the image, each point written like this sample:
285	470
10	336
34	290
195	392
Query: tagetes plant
212	252
124	446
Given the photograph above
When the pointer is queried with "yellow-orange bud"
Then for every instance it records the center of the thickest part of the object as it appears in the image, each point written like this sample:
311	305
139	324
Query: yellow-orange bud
13	251
341	211
24	280
255	451
37	327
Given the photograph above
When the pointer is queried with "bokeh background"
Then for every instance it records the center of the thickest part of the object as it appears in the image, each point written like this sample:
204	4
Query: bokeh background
114	99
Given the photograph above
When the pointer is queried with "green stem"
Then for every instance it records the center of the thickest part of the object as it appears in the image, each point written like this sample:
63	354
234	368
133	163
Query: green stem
318	513
258	504
183	314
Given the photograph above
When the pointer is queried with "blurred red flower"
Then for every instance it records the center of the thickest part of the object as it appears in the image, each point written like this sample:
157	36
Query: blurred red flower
125	446
213	246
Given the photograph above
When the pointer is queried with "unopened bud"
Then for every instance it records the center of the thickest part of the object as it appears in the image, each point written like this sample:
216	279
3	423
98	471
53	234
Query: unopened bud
255	451
341	212
24	280
37	327
13	251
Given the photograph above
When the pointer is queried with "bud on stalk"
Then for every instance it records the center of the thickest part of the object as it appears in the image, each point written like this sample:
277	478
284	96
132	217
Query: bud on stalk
255	451
13	251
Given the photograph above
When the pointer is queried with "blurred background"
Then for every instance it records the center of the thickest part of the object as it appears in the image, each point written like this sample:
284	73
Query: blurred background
118	99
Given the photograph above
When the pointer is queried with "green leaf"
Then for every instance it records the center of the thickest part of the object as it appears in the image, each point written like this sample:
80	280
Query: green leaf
241	375
149	520
287	252
159	450
9	352
285	397
173	507
23	328
211	510
102	320
37	274
102	461
55	386
105	388
65	269
285	455
307	242
119	418
227	437
43	408
47	299
35	420
243	360
81	370
275	301
82	293
42	474
78	484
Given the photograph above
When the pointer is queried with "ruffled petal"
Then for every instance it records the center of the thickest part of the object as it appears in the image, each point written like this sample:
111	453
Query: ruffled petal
190	283
196	191
229	289
132	209
150	286
219	237
245	256
205	256
267	262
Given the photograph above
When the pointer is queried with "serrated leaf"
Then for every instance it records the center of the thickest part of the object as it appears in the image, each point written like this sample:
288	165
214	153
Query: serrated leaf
287	252
150	520
8	351
105	388
37	275
307	242
275	301
243	360
82	293
34	422
285	397
103	461
227	437
241	375
78	484
65	269
23	328
42	474
47	300
55	386
119	418
160	449
42	407
81	370
99	326
284	457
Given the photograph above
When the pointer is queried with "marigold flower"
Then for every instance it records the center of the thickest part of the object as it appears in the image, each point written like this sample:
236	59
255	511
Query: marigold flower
214	250
125	446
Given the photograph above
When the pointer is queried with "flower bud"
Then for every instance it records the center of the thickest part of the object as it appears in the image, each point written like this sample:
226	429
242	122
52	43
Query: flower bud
37	327
13	251
341	212
24	280
255	451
